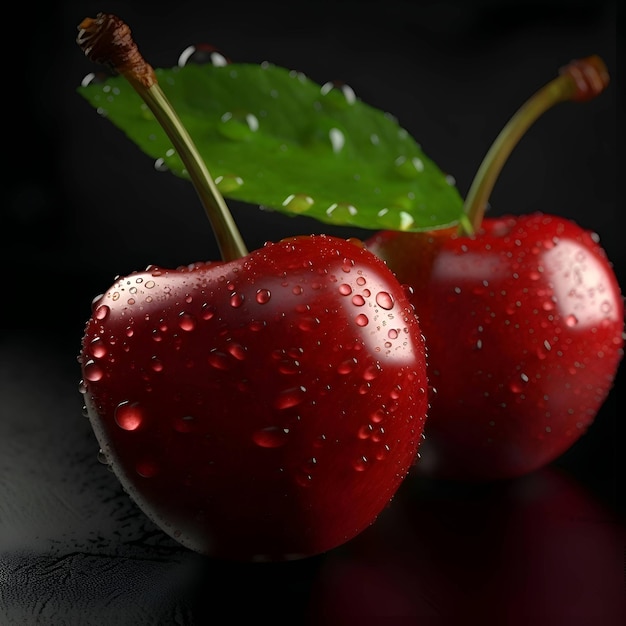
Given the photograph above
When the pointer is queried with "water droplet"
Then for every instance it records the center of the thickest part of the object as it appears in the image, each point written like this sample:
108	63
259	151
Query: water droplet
156	365
409	167
392	334
207	311
218	360
98	348
371	372
236	299
129	416
337	94
347	366
228	183
361	464
290	398
237	351
358	300
384	300
345	289
263	296
186	321
102	457
146	468
160	165
377	416
365	432
93	372
202	54
238	126
308	323
102	312
571	321
361	320
341	212
298	203
289	366
184	424
270	437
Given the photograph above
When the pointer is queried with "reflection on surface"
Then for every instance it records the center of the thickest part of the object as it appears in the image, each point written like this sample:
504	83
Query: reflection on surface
74	549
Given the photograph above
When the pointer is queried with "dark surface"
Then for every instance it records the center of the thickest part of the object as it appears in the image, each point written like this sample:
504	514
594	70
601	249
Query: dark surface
83	204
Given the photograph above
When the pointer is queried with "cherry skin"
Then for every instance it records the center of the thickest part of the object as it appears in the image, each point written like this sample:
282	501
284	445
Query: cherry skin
523	321
264	408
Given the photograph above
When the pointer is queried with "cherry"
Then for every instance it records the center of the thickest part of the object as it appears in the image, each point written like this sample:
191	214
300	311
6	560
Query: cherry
522	315
265	406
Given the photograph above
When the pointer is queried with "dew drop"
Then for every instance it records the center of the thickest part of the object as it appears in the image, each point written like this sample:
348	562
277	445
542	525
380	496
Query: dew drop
207	311
347	366
345	289
571	321
102	312
308	323
340	212
228	183
93	372
384	300
102	457
238	126
236	299
361	319
361	464
338	94
409	167
202	54
237	351
270	437
184	424
146	468
371	372
290	398
263	296
129	416
298	203
377	416
186	321
98	348
289	366
365	432
218	360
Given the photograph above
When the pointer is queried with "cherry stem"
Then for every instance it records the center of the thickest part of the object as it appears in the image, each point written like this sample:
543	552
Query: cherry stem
107	40
579	81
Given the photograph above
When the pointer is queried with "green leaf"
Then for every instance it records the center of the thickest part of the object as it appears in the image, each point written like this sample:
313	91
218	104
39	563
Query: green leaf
273	137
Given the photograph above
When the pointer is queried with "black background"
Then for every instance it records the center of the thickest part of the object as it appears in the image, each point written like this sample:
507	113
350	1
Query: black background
83	204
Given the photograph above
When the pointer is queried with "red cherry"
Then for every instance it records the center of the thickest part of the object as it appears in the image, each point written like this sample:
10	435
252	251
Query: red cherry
265	407
523	319
255	408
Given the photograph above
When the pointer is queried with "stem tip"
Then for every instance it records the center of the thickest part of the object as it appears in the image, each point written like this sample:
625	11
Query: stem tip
107	40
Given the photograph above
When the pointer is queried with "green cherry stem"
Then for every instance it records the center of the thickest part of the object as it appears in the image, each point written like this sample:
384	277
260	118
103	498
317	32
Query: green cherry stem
580	80
107	40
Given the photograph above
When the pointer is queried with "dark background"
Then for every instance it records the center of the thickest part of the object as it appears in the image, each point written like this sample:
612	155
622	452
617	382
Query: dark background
83	204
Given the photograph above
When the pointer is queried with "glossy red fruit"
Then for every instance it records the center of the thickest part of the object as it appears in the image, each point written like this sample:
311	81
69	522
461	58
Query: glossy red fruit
264	408
523	323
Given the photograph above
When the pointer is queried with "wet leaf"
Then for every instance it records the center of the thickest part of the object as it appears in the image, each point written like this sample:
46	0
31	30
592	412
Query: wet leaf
273	137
